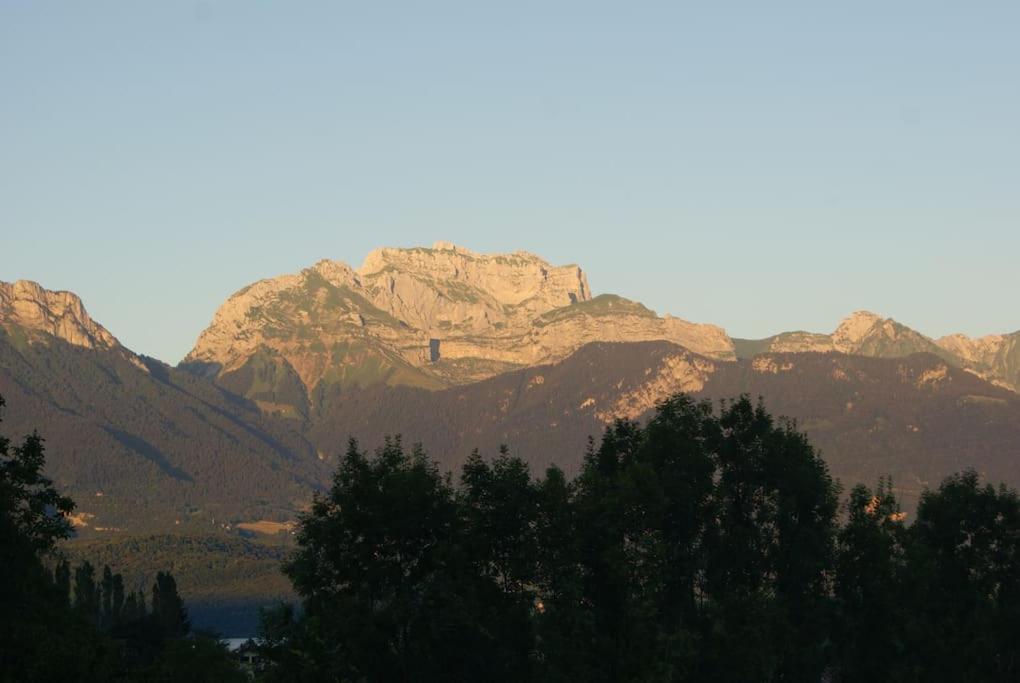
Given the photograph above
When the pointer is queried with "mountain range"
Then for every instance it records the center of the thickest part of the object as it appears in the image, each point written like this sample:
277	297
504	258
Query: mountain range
290	366
457	350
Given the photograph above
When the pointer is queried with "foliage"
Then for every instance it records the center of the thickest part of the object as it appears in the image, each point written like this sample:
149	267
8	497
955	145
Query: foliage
704	545
39	638
101	634
870	571
681	542
386	575
30	503
224	579
707	542
963	577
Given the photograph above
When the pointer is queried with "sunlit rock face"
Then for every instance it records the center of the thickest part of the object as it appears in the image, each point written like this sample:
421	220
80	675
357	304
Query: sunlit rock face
450	288
429	317
861	334
995	357
38	315
679	371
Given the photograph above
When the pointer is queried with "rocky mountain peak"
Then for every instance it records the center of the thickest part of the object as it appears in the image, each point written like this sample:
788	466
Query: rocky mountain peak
27	307
853	329
995	357
862	333
337	273
973	348
427	316
868	334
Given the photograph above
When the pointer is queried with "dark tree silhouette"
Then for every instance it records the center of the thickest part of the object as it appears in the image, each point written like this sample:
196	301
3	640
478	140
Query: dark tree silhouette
871	576
963	583
386	578
40	638
101	635
704	545
167	607
699	546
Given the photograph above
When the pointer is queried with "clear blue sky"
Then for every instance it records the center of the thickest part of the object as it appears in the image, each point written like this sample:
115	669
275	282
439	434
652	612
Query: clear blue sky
762	166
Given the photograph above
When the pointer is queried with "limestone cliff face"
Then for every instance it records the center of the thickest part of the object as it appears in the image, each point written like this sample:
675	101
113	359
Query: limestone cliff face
800	342
429	317
676	372
995	357
449	288
862	334
36	314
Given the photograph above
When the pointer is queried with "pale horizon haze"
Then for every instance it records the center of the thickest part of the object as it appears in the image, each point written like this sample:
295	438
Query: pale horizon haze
759	166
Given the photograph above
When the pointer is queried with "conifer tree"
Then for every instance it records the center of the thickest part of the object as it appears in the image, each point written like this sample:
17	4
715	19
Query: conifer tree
41	637
86	595
167	607
106	597
117	600
62	581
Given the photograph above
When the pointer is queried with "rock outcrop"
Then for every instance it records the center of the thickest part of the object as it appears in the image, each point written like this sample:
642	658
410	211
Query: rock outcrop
676	372
861	334
995	357
36	314
428	317
449	289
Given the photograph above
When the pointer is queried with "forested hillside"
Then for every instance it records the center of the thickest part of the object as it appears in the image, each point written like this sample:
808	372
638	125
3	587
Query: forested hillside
914	419
145	446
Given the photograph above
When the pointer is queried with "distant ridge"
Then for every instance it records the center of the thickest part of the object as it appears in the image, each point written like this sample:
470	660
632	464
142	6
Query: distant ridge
995	358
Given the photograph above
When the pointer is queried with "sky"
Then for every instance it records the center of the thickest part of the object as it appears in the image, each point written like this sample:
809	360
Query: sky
760	166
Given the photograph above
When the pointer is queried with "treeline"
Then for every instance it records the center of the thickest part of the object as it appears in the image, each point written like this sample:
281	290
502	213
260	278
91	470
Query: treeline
703	546
103	604
227	577
70	624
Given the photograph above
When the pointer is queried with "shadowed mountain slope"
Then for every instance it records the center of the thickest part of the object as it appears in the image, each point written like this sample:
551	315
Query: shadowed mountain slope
141	445
917	419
